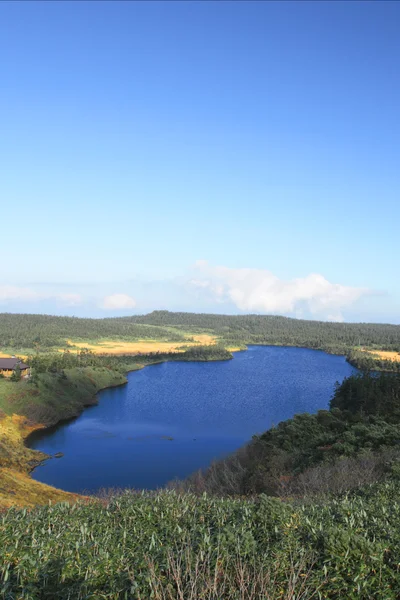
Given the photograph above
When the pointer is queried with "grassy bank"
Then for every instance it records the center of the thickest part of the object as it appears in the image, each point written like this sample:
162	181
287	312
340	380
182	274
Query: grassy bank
53	397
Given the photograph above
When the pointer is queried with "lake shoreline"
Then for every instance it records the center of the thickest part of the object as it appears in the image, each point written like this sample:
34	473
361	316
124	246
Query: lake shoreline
30	432
179	384
36	430
40	428
234	350
53	426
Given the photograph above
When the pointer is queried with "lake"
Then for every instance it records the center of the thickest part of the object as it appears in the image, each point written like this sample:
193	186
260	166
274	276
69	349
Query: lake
172	418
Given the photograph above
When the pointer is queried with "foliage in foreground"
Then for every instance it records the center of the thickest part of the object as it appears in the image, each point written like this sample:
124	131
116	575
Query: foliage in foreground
174	546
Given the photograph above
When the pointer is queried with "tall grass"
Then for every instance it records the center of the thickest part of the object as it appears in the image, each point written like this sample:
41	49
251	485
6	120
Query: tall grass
170	546
188	576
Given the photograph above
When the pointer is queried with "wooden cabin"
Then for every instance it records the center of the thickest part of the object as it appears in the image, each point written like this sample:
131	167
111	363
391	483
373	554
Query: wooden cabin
8	366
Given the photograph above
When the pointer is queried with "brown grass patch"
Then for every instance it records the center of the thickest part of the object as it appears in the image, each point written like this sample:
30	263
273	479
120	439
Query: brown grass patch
18	489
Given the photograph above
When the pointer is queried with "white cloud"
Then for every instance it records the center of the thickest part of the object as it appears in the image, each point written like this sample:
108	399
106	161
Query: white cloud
259	290
206	288
118	302
14	293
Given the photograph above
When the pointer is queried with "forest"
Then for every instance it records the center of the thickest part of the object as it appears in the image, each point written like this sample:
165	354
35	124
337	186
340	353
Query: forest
44	332
260	329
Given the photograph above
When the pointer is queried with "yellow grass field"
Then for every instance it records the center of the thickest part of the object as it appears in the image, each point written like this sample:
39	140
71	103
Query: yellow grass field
118	347
386	355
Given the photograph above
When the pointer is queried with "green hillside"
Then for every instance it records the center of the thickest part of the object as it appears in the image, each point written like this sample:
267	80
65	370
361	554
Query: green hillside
45	331
261	329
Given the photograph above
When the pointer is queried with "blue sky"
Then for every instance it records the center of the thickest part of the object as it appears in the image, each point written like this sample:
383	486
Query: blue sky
216	156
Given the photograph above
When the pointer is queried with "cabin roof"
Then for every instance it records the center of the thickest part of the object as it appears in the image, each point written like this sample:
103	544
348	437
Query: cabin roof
11	363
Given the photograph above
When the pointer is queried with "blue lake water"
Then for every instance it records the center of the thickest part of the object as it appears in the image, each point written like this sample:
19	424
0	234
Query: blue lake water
208	409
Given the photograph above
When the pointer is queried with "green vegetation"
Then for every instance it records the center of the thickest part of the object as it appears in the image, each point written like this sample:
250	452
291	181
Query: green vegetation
330	538
51	397
185	547
190	353
16	376
44	332
28	334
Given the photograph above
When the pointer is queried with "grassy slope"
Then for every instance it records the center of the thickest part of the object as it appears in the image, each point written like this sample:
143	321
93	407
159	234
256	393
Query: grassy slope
56	397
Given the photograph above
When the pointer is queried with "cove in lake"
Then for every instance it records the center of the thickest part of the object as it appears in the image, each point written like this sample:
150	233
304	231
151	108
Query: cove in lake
173	418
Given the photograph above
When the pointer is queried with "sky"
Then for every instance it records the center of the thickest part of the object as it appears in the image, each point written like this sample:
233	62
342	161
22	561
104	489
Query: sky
228	157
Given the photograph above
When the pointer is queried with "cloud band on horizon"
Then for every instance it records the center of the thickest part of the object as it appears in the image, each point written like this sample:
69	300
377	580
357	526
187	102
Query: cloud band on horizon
259	290
204	288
